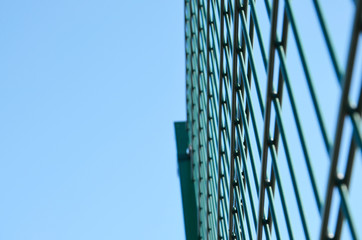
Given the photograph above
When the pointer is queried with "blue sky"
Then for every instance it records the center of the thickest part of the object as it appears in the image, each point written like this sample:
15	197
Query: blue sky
89	91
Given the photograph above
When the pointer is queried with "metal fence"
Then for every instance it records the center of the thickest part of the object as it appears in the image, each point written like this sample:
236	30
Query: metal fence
258	168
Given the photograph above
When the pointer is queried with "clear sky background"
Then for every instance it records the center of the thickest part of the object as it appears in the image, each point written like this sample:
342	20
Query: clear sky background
89	91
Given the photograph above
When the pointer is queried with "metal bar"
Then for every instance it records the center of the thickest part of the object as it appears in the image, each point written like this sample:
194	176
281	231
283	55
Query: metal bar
348	173
343	110
208	137
251	37
198	93
192	89
221	76
275	139
233	118
273	28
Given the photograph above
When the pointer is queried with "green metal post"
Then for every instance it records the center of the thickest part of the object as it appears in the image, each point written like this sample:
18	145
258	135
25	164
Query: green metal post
187	186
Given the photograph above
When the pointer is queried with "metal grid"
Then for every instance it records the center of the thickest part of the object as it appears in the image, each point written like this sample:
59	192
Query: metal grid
237	131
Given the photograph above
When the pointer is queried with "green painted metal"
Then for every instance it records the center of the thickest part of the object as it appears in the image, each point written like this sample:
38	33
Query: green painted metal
187	186
239	138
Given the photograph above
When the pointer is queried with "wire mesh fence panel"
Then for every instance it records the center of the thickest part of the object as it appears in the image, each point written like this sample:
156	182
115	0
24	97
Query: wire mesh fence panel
273	92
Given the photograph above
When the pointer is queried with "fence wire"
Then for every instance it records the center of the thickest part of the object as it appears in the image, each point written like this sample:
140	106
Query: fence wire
256	172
